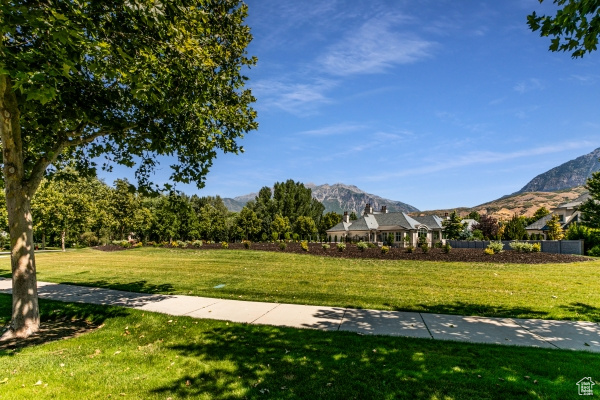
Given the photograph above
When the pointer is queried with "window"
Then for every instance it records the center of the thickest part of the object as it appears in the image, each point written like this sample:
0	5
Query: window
422	232
398	236
436	235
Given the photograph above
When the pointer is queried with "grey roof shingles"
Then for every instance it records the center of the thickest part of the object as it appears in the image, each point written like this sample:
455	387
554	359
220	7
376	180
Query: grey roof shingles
390	220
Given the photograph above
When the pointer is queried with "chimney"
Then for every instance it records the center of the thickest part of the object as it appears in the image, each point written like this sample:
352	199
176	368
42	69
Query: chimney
368	209
384	209
346	217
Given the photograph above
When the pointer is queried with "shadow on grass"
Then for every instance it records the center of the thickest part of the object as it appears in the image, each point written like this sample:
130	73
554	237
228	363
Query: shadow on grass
254	362
584	310
474	309
5	273
58	321
140	286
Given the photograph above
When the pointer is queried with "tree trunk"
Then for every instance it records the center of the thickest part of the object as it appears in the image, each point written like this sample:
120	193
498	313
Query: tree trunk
63	234
25	310
44	241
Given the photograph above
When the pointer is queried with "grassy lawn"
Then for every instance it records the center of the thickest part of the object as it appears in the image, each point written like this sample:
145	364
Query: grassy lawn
141	355
550	291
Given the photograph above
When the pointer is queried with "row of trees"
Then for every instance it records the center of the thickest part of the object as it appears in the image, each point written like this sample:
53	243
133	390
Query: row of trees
72	209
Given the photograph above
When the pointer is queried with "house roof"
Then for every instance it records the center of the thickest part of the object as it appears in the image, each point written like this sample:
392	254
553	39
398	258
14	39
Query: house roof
575	203
398	220
540	224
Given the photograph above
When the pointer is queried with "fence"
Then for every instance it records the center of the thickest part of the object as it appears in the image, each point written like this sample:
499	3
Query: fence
548	246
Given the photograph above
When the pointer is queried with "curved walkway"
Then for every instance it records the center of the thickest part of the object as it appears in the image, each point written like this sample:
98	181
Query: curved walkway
573	335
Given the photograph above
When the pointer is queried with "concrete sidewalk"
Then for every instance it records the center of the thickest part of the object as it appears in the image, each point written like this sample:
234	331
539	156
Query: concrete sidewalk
573	335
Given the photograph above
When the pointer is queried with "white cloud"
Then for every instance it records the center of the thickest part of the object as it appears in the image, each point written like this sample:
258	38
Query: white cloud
529	85
376	46
337	129
485	157
295	98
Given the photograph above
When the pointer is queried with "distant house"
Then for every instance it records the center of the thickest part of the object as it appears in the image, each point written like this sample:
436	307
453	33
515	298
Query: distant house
375	226
568	213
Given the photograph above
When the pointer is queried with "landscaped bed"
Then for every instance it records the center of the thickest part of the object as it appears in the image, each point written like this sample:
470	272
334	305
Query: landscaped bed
434	254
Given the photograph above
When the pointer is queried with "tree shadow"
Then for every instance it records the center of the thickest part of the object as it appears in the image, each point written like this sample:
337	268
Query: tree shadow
141	286
581	309
57	321
245	361
475	309
5	273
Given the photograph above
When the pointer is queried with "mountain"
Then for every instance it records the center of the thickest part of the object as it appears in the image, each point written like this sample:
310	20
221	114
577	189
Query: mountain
338	198
524	204
570	174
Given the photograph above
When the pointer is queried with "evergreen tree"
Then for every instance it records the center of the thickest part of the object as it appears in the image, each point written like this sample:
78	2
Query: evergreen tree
453	226
590	209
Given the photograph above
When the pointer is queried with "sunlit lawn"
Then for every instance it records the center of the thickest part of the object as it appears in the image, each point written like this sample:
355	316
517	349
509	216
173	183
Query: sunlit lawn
141	355
551	291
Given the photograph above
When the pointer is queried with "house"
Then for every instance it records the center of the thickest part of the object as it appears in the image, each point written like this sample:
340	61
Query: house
567	214
375	226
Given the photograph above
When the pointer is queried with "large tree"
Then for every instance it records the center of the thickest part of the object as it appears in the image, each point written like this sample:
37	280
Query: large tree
590	209
130	80
575	28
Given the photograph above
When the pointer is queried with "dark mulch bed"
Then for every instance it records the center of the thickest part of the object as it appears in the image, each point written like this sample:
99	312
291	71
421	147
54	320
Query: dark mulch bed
109	247
459	255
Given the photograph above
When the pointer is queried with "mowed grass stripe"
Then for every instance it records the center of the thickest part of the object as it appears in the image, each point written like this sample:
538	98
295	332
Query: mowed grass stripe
549	291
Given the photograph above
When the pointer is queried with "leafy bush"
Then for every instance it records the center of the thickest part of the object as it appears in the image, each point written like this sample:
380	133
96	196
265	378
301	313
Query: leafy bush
295	236
282	246
410	249
362	246
424	248
174	244
335	238
151	243
438	245
137	245
521	247
89	238
385	249
341	246
446	248
224	245
274	236
304	245
496	247
422	240
536	247
182	244
590	237
246	244
326	246
264	236
594	251
197	243
489	251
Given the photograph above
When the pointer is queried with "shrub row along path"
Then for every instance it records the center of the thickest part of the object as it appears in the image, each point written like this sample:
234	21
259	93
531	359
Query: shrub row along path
574	335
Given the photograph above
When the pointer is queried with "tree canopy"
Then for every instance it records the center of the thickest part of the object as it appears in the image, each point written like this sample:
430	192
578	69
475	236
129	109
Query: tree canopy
128	80
590	209
575	28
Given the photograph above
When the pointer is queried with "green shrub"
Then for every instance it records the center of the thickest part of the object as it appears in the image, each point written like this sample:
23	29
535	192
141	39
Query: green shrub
197	243
89	238
287	236
446	248
174	244
496	247
536	247
224	245
489	251
182	244
422	240
295	236
137	245
282	246
304	245
424	248
246	244
274	236
335	238
521	247
438	245
326	246
341	246
385	249
410	249
594	251
371	245
362	246
264	236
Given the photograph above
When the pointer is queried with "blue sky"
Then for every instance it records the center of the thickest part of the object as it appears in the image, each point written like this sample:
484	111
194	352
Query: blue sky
438	104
